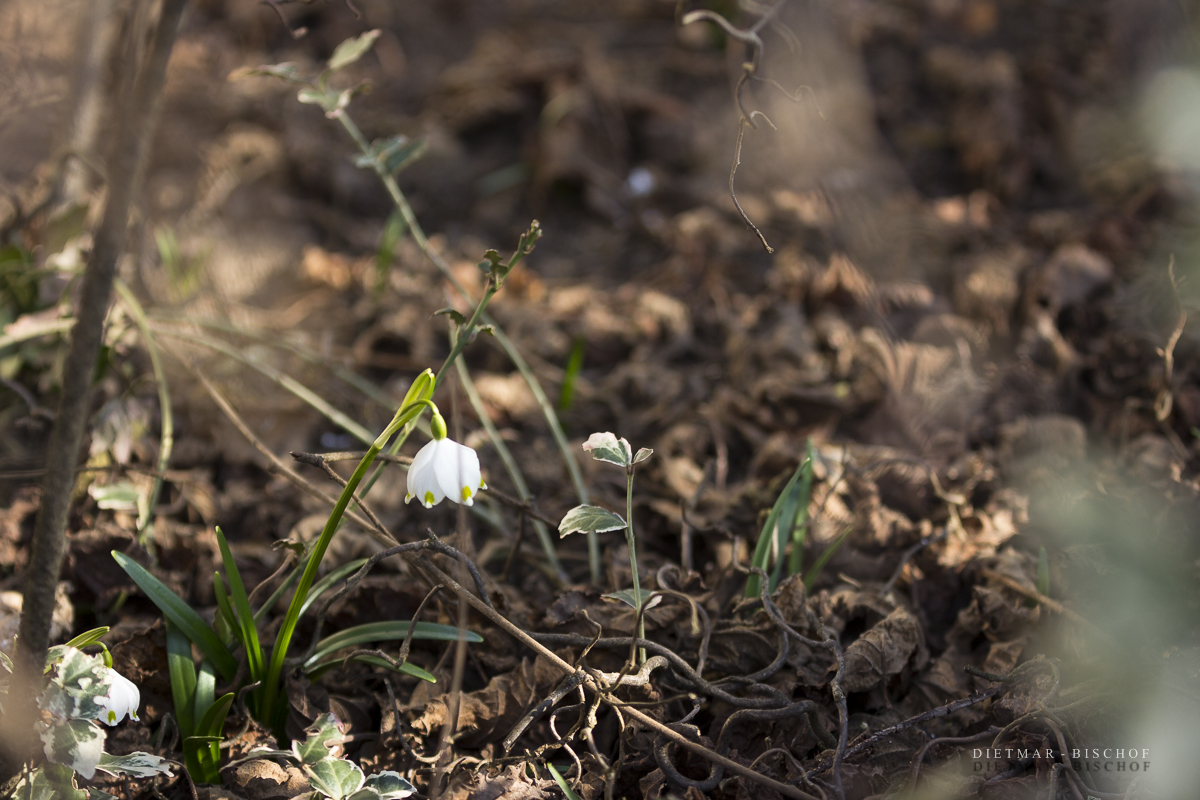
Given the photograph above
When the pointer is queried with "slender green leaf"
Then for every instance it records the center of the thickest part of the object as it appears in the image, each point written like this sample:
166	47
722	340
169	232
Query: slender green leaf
206	693
385	631
226	626
181	614
214	719
589	519
571	374
183	679
562	782
810	579
243	612
87	637
407	668
1043	573
766	537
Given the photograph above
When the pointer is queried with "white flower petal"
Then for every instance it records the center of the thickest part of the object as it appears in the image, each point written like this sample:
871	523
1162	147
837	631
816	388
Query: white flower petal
421	483
123	699
457	469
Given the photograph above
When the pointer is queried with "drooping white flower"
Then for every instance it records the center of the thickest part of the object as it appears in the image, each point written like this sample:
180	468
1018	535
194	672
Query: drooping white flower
444	468
123	698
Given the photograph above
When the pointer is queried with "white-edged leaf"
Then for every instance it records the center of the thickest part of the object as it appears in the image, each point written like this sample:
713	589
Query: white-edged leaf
137	765
589	519
626	596
78	680
48	782
324	740
389	785
607	447
76	743
121	496
336	778
352	50
642	455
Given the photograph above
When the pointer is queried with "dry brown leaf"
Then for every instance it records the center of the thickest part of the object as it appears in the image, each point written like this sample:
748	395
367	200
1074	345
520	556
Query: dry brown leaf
883	651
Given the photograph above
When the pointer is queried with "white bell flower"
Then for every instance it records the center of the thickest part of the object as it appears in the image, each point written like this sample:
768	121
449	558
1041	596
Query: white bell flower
123	698
444	468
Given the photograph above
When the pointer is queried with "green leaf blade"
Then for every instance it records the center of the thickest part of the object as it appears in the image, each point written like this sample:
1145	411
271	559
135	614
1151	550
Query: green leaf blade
181	614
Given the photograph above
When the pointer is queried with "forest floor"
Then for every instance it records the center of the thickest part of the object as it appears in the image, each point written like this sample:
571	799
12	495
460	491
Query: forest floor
976	310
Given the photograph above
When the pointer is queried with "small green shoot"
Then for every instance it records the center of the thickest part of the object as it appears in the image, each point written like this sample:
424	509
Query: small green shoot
781	522
571	374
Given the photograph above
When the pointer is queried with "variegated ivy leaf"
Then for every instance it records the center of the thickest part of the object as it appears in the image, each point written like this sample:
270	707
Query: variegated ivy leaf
75	743
49	782
325	737
626	596
137	765
607	447
336	778
386	785
589	519
642	455
79	679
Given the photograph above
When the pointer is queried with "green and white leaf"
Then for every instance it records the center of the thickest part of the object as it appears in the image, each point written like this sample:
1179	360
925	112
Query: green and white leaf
607	447
352	50
589	519
76	743
335	778
136	765
121	496
389	785
324	740
48	782
642	455
78	681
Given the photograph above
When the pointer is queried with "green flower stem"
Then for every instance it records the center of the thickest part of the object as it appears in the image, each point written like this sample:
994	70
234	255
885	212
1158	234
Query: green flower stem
510	349
271	687
633	563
